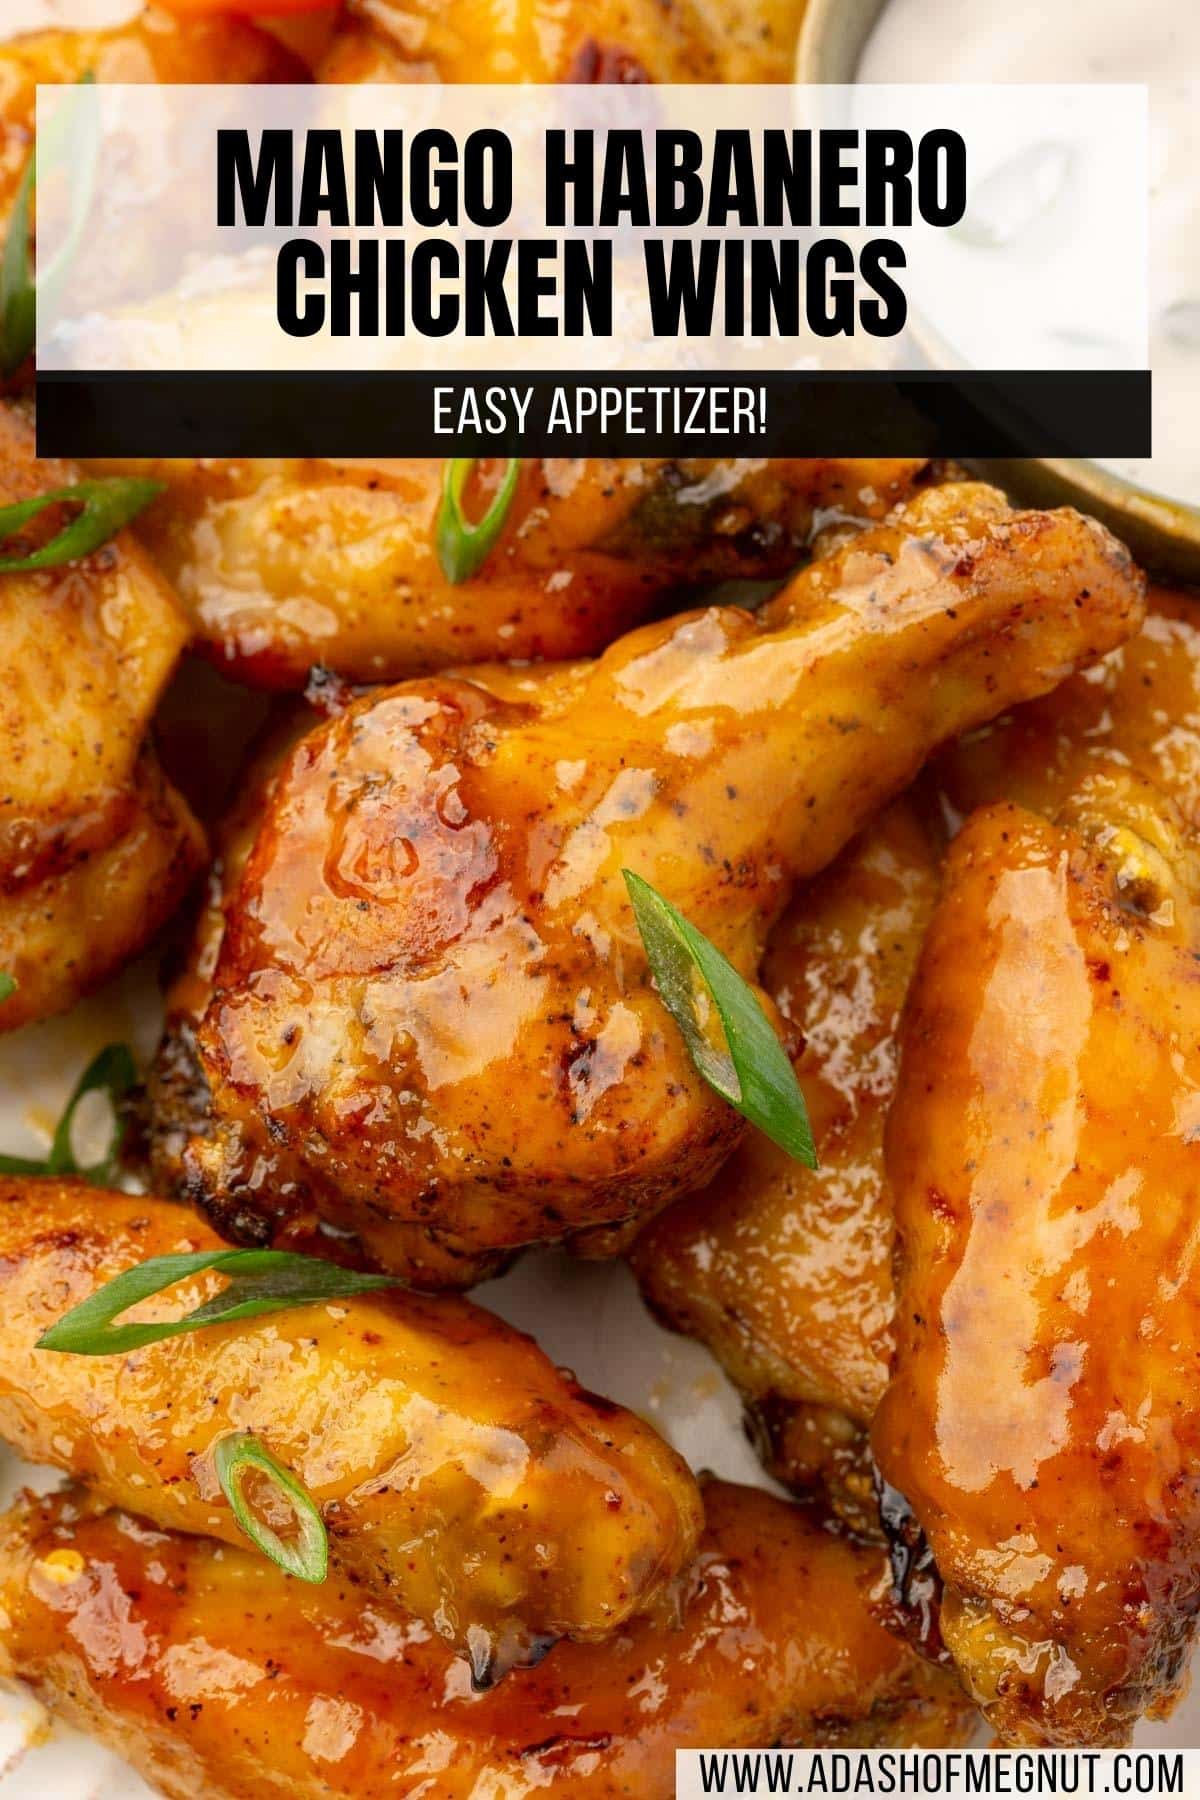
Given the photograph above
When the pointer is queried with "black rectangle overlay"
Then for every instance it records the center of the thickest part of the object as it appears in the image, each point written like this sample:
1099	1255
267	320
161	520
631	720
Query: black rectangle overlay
391	413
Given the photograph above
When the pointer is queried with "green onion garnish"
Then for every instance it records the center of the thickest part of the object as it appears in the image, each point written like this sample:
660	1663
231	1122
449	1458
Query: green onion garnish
261	1281
308	1557
753	1073
18	291
112	1072
462	547
18	301
8	984
104	507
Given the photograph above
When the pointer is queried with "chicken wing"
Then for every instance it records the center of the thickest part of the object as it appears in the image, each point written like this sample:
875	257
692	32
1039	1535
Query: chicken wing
286	564
783	1274
1041	1152
178	1106
533	40
431	1004
96	848
154	47
1141	705
216	1675
459	1474
786	1273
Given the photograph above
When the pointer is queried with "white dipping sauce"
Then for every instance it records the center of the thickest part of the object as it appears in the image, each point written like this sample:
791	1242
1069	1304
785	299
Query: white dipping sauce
1155	41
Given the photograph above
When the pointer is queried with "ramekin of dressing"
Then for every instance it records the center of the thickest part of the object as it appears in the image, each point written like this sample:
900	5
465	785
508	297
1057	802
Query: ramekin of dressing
1158	42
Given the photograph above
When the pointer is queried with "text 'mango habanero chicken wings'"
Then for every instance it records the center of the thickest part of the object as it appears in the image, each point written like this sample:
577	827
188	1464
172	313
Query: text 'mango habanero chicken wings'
233	1681
432	920
460	1475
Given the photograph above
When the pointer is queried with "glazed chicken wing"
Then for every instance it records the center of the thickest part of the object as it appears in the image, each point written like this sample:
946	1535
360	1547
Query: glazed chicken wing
785	1273
1042	1154
286	564
1141	705
549	40
460	1475
96	847
177	1107
431	1004
230	1680
154	47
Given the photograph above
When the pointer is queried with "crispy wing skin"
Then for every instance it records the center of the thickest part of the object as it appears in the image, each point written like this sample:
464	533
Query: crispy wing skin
154	47
1141	704
460	1474
1042	1155
431	1003
285	564
66	934
219	1677
786	1273
96	848
531	40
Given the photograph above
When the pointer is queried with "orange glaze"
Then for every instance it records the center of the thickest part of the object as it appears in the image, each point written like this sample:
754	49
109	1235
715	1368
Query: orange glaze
1042	1154
285	564
155	47
178	1098
461	1476
221	1679
96	848
1141	705
783	1272
431	1003
263	9
565	40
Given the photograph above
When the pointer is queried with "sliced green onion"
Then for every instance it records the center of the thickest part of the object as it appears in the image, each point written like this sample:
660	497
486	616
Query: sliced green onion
308	1557
112	1072
753	1073
8	984
462	547
260	1281
18	296
104	507
18	290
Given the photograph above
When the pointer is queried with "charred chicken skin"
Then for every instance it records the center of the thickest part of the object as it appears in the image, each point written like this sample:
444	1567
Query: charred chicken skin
1041	1154
96	847
217	1676
461	1476
431	1003
285	564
